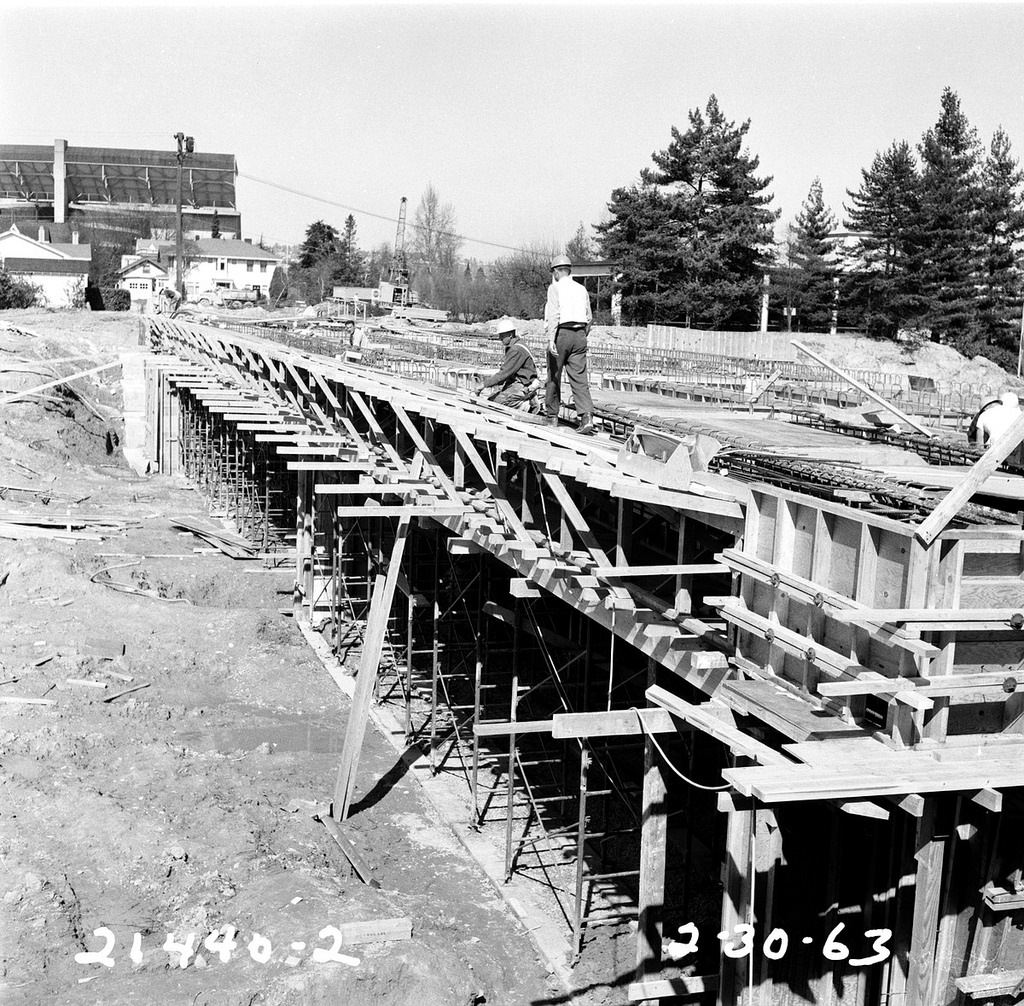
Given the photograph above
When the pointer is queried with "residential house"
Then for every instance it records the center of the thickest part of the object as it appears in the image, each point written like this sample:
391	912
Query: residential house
210	263
144	278
59	269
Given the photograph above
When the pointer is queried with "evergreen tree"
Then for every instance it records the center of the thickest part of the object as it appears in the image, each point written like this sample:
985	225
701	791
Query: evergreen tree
723	208
321	241
579	247
1002	223
215	225
812	253
881	263
349	267
643	238
947	234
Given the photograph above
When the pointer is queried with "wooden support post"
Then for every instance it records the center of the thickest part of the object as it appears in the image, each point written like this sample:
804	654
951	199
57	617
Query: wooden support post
653	839
929	849
736	877
369	661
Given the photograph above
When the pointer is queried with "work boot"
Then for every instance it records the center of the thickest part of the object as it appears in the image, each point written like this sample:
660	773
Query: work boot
551	420
587	425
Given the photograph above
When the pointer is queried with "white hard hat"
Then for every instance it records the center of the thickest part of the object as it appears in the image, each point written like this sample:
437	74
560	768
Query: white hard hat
561	262
504	327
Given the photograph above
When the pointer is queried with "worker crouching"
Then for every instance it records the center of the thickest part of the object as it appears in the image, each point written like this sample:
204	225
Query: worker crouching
515	383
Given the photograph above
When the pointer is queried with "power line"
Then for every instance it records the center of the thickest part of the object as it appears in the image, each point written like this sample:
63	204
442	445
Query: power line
379	216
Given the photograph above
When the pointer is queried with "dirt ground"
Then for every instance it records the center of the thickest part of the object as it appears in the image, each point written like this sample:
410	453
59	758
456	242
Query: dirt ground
188	805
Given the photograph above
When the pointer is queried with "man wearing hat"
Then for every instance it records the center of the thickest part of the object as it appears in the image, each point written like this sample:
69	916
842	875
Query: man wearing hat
515	381
567	320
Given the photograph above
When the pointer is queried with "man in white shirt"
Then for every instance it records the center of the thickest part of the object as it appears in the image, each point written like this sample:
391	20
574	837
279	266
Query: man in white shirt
997	419
567	321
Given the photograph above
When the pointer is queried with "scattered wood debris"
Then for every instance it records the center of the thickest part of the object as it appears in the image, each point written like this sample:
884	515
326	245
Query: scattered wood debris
230	544
127	691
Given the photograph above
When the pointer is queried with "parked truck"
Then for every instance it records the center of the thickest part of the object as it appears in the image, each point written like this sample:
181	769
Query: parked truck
227	296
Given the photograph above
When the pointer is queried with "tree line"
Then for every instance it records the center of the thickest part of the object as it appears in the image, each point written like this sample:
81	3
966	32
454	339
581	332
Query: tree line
930	244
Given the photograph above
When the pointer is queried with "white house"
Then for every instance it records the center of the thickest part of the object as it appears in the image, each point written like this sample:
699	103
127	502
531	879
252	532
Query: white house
211	262
59	270
144	278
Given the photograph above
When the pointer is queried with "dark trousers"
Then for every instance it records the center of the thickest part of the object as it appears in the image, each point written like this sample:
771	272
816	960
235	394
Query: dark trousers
570	356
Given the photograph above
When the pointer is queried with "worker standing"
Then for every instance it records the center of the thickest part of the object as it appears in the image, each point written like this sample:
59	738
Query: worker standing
515	381
567	321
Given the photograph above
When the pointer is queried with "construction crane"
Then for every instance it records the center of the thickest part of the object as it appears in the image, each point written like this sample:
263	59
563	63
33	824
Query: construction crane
394	291
399	271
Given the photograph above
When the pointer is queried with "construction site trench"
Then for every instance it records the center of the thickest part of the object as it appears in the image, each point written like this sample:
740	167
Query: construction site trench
190	803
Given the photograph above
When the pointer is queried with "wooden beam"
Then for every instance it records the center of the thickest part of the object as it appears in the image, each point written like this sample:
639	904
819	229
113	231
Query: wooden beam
929	850
614	723
671	988
668	569
697	716
998	451
366	678
653	842
863	389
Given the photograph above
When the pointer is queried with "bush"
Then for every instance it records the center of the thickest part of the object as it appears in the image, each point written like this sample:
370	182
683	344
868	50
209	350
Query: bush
16	292
114	299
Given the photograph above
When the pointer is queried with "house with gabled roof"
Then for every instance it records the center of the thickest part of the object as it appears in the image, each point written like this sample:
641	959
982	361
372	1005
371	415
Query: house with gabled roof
58	269
211	263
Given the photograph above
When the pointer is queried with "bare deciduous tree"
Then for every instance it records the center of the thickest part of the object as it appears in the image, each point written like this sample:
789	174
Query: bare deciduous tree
434	241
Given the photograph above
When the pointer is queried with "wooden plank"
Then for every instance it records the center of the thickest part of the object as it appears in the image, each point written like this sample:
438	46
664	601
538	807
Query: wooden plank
375	931
366	677
994	456
943	617
671	988
406	510
506	728
615	723
668	569
653	850
929	853
865	390
990	986
368	488
731	736
802	782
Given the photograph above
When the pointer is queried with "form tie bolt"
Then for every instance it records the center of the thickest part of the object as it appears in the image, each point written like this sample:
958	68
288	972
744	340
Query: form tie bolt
1017	620
1010	685
776	579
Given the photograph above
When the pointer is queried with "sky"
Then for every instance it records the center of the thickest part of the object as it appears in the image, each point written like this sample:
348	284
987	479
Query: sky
524	117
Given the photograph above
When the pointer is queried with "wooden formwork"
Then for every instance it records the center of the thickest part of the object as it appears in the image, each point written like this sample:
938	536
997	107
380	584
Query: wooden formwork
820	699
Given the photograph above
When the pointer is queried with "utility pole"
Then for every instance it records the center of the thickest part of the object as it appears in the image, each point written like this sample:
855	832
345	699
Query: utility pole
186	147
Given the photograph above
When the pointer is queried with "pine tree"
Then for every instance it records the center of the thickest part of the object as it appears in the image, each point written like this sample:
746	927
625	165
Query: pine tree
215	225
881	263
321	241
948	237
579	248
643	237
696	231
349	267
1002	223
811	251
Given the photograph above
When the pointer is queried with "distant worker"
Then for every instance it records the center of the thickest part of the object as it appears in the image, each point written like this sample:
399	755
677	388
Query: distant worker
515	383
567	321
995	418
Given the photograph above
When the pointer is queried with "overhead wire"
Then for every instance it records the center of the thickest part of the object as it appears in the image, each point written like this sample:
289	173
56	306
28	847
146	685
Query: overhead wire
381	216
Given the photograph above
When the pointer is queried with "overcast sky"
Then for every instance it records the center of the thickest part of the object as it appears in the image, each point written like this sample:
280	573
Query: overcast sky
525	117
